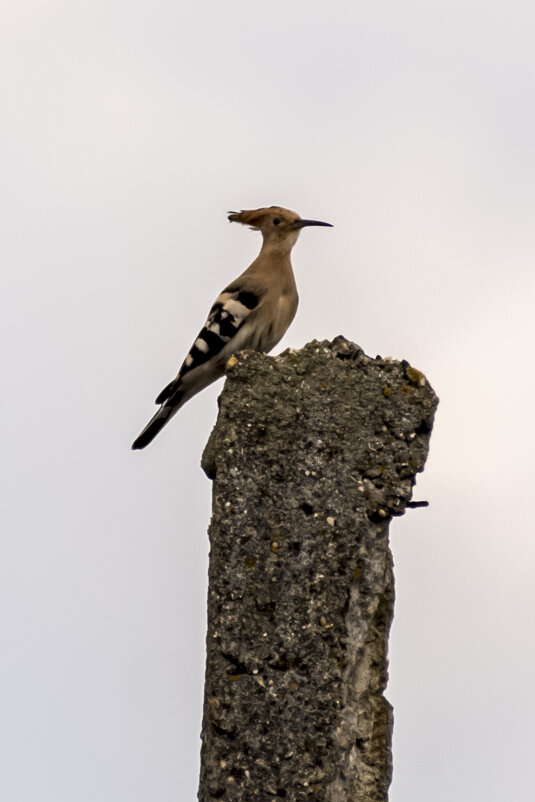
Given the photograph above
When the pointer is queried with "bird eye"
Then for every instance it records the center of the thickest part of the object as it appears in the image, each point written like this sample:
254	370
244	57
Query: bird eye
276	221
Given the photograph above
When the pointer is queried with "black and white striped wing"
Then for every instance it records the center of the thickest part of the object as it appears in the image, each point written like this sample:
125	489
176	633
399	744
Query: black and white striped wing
228	314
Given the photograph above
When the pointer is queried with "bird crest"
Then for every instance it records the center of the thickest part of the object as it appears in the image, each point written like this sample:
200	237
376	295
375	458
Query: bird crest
254	217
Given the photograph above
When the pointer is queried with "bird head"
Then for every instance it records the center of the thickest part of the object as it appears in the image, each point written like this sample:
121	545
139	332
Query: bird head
274	222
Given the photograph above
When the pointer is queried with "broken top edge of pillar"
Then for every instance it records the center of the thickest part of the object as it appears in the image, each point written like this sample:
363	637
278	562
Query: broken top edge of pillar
339	348
349	371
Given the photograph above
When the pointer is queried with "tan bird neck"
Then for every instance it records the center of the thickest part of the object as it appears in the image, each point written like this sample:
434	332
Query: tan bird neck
276	247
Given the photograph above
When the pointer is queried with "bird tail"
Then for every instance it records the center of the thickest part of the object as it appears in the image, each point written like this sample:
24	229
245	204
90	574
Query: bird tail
158	421
167	391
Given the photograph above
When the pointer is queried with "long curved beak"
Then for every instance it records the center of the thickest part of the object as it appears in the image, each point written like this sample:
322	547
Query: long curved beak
303	223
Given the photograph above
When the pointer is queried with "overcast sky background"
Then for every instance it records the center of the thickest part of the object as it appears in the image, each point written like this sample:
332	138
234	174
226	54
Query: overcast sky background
128	130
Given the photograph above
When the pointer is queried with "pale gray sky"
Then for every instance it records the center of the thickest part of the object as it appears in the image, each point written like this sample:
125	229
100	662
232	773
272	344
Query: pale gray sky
128	129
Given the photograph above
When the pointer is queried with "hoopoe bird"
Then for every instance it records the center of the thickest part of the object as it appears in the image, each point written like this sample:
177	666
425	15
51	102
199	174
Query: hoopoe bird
253	312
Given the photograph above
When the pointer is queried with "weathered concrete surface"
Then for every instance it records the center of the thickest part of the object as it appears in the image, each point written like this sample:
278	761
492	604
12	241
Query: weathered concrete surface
312	454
